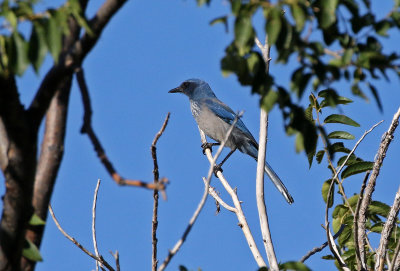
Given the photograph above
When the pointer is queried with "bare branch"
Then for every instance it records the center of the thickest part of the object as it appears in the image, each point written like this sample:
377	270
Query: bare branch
73	240
324	245
386	139
386	232
203	199
96	250
262	208
116	257
214	194
155	193
88	129
334	249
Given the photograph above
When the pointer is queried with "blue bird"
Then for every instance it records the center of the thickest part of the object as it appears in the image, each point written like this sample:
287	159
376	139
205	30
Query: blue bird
214	118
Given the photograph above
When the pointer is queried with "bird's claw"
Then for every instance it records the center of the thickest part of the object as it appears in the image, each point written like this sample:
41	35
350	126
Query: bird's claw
205	146
217	168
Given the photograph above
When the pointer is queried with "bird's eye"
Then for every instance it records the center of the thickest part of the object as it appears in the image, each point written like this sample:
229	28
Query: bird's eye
185	85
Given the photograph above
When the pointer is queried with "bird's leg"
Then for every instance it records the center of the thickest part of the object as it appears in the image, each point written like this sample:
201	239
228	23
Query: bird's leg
218	167
209	145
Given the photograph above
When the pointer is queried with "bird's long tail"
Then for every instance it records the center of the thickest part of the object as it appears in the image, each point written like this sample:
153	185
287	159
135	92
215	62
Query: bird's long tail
278	183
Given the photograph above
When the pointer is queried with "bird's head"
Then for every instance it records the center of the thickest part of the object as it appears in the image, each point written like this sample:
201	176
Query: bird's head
194	88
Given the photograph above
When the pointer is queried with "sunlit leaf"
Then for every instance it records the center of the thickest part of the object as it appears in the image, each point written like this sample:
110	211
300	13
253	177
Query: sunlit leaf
356	168
341	135
299	16
325	191
53	37
222	19
31	252
299	266
243	33
379	208
19	54
336	118
274	25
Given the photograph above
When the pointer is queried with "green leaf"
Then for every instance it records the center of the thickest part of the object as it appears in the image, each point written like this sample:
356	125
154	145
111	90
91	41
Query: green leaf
31	252
19	54
336	118
11	18
76	10
299	142
376	96
274	25
37	46
346	58
54	37
341	135
243	33
292	265
202	2
328	12
36	221
299	16
320	155
356	90
332	98
379	208
382	27
325	190
222	19
356	168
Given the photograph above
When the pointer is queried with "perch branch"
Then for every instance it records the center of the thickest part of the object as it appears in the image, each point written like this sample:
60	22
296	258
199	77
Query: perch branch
200	206
88	129
386	139
215	195
155	193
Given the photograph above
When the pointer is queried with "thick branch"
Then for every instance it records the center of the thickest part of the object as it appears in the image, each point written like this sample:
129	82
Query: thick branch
386	139
71	59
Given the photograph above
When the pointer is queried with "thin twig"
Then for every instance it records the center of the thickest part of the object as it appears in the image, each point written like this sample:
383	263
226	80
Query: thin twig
386	140
200	206
261	206
116	257
154	260
96	250
324	245
386	232
88	129
214	194
334	249
73	240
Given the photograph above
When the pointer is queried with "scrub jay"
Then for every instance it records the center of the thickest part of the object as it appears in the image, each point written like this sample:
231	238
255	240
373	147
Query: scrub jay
214	119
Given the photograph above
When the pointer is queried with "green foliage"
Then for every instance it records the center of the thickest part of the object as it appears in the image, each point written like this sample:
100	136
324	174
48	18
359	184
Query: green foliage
36	220
47	29
351	53
298	266
31	252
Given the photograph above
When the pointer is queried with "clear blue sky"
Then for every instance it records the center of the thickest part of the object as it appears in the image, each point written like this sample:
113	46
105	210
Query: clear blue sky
146	50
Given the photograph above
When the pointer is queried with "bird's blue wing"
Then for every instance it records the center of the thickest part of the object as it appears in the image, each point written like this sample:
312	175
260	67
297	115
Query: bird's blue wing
225	113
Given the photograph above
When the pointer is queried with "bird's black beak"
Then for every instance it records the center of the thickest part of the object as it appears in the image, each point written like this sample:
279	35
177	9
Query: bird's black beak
176	90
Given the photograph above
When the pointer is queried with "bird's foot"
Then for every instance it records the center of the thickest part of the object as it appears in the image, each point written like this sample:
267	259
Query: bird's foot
217	168
205	146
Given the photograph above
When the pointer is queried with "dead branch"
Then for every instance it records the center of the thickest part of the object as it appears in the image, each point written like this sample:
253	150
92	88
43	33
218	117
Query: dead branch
88	129
214	194
155	193
96	250
203	199
261	206
386	140
73	240
324	245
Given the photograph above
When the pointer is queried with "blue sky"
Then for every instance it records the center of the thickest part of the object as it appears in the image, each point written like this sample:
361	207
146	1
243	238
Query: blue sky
146	50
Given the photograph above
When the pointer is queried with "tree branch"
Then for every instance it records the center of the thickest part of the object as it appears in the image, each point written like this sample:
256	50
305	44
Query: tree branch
88	129
203	199
70	59
386	139
155	193
386	232
262	208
